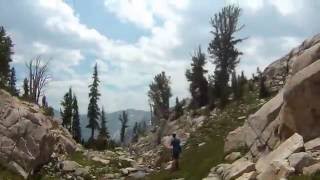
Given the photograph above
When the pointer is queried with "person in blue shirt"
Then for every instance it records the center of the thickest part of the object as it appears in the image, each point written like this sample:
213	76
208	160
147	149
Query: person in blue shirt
176	150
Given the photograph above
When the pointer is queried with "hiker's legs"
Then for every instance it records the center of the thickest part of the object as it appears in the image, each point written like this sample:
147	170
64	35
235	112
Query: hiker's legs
177	164
174	165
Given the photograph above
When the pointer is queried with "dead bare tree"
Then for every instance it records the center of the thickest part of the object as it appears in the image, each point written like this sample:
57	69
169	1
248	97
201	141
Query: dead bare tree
38	71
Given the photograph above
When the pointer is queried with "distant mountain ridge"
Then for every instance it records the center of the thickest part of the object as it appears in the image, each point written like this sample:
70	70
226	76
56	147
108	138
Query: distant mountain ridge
113	123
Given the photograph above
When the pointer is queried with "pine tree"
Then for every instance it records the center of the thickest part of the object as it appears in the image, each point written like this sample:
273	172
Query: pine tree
222	48
124	124
198	82
135	134
66	114
159	94
242	84
76	128
103	133
25	88
6	46
178	108
243	78
263	90
12	83
44	102
235	85
93	108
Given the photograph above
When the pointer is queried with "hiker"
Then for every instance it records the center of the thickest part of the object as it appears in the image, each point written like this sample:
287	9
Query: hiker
176	150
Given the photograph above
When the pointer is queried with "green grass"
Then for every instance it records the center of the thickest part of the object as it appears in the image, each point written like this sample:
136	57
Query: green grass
6	174
196	162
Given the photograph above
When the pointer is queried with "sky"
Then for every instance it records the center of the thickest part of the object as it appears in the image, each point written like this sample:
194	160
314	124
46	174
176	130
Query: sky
133	40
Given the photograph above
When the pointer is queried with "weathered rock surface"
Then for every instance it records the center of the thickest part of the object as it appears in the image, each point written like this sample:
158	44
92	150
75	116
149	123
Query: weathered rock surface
274	136
310	170
312	145
290	146
27	137
238	168
277	72
233	156
232	171
256	132
300	160
276	170
301	109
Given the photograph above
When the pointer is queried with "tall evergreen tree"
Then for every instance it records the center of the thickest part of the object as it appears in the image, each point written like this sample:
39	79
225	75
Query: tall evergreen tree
25	88
243	78
76	128
159	94
44	102
198	82
12	83
222	48
235	85
178	108
66	114
263	90
135	133
103	133
124	125
93	108
6	46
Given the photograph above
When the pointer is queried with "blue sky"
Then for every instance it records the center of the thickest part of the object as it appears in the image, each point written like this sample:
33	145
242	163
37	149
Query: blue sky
132	40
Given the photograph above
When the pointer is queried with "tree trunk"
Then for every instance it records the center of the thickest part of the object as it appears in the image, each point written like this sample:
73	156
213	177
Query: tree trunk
92	133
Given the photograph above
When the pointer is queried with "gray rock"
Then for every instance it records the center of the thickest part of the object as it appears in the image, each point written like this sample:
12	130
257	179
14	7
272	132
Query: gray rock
69	166
300	160
310	170
28	137
312	145
276	170
233	156
290	146
238	168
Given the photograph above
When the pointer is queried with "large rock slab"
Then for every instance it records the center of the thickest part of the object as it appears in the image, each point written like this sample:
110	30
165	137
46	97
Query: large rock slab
238	168
298	58
27	137
257	130
290	146
276	170
312	145
301	110
233	156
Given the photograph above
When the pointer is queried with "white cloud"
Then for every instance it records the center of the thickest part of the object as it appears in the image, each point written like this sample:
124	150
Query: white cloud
174	28
135	11
143	13
252	5
62	38
288	7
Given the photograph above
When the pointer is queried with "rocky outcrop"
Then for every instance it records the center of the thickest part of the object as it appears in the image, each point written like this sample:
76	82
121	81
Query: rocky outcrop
258	131
282	137
27	137
290	146
277	72
301	110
